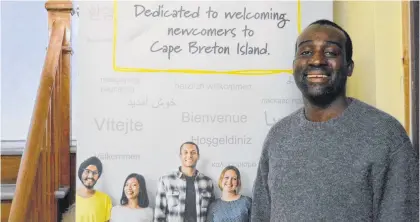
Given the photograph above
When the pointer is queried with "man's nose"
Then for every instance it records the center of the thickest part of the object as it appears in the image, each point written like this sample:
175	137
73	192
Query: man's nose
318	59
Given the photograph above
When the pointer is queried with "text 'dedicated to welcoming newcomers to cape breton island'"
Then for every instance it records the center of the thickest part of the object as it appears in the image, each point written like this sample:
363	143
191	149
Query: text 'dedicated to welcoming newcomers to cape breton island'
172	33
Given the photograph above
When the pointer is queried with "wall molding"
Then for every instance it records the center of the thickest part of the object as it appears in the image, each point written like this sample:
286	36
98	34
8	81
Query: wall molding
16	147
8	191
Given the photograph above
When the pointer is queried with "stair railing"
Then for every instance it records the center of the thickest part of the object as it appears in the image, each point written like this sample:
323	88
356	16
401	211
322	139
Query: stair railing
45	160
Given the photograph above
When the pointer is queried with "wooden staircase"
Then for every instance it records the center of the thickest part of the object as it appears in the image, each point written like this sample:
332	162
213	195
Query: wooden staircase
11	156
37	175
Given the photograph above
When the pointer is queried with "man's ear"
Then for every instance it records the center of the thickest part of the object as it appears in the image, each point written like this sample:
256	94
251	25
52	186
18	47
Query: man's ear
350	68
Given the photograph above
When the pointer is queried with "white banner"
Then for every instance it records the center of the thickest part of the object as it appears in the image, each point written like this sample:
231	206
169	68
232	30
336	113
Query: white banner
154	74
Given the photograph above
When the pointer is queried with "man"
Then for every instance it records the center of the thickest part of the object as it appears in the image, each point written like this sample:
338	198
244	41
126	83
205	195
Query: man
185	194
337	158
91	205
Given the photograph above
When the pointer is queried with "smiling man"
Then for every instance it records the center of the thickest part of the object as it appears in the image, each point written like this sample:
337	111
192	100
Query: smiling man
91	205
185	194
337	158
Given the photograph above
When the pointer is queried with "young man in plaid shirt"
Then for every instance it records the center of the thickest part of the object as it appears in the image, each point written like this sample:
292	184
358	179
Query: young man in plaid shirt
185	194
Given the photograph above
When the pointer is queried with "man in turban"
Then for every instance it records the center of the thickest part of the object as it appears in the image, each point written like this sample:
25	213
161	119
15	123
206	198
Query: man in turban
91	205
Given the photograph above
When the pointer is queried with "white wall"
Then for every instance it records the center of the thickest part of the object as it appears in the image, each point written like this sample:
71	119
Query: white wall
24	32
24	38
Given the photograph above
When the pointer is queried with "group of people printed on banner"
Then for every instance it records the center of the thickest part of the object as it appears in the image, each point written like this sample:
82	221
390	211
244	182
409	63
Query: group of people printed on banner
335	159
185	194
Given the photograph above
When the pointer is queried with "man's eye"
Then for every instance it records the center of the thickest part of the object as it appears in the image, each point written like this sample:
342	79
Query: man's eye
305	53
330	53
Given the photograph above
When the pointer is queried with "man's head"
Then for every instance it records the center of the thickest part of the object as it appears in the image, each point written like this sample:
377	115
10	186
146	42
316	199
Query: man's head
189	154
323	61
90	171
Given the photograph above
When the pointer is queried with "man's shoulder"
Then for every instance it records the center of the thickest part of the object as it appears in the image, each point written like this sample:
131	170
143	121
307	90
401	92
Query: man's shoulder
371	116
285	123
102	194
203	177
97	195
170	175
381	126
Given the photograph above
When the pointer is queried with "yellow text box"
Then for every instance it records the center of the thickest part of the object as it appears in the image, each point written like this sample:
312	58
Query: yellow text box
195	71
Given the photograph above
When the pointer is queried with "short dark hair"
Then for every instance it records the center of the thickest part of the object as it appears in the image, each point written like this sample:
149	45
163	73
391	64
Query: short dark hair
348	45
191	143
143	199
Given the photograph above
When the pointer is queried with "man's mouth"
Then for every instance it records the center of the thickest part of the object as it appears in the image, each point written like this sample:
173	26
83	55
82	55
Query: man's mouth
316	76
316	71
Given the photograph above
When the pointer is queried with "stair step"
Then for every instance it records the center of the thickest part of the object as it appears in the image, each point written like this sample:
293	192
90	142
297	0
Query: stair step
8	191
11	153
9	169
5	210
16	147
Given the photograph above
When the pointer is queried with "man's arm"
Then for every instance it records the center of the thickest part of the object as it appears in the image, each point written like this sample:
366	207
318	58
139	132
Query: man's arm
396	187
261	200
161	206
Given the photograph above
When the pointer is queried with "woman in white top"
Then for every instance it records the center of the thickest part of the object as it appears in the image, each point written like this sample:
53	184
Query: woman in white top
134	202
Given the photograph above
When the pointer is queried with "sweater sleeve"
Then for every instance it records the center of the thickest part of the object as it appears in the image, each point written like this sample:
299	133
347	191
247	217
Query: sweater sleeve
261	200
396	188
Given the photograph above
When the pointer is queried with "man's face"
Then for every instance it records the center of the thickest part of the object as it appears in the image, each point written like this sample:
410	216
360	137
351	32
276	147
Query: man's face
320	68
90	176
189	155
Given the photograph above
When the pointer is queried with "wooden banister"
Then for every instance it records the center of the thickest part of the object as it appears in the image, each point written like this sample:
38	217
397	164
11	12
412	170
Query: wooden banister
37	140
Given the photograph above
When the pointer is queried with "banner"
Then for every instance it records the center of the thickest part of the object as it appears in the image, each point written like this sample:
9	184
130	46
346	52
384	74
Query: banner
153	75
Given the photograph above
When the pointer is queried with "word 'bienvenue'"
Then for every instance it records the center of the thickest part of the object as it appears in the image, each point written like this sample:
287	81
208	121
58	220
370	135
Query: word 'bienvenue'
213	118
193	47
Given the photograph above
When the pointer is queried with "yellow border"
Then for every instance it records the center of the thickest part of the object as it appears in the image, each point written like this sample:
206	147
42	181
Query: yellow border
195	71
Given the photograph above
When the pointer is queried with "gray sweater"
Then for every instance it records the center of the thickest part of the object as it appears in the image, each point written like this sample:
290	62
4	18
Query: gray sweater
360	166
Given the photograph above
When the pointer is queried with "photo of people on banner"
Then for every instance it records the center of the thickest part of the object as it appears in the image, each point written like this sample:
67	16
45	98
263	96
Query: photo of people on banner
183	195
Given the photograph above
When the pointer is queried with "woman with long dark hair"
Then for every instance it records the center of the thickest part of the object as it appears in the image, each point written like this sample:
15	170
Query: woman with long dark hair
134	202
